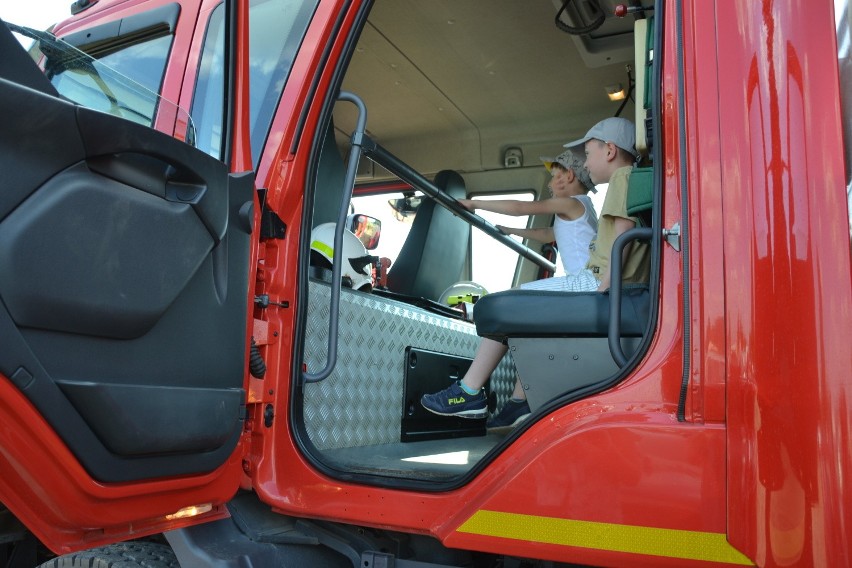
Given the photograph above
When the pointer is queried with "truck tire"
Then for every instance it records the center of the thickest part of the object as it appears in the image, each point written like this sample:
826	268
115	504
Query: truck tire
137	554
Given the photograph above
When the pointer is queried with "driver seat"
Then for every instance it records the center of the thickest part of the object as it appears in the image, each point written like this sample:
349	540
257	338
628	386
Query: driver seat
433	255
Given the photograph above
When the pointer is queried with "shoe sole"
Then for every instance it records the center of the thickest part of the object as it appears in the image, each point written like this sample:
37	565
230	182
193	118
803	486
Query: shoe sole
469	414
517	421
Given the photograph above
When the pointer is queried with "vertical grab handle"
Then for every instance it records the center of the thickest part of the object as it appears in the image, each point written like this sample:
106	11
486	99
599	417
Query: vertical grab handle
337	270
614	336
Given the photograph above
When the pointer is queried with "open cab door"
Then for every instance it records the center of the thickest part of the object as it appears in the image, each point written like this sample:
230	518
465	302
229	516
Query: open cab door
124	255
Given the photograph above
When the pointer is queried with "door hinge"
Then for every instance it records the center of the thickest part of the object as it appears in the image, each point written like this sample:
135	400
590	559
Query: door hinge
672	236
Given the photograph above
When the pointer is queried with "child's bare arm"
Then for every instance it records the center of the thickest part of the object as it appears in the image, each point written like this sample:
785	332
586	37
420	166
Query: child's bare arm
543	234
565	206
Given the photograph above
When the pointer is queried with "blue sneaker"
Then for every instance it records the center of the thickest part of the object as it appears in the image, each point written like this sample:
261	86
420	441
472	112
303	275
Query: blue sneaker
454	401
513	413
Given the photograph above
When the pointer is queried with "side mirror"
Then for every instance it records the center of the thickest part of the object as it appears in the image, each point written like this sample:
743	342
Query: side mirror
367	229
406	207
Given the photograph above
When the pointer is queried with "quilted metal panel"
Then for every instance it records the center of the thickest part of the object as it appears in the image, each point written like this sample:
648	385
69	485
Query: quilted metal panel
361	402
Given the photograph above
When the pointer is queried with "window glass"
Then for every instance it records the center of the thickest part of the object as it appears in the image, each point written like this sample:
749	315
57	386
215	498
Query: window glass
277	28
143	62
493	265
843	21
396	212
207	105
124	83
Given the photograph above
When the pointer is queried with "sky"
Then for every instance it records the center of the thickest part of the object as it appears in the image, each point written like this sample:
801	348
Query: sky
38	14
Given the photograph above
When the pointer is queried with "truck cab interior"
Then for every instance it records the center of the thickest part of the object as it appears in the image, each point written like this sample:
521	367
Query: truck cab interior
449	100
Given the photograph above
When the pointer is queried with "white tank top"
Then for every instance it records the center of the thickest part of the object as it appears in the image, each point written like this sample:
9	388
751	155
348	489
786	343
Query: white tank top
573	237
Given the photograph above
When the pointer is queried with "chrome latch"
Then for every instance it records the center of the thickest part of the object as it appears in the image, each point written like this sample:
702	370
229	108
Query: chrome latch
672	236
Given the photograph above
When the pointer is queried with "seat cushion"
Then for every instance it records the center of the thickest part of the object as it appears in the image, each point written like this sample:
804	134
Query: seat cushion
540	313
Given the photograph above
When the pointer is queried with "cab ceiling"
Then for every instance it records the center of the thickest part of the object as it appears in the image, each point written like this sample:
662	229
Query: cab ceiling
452	83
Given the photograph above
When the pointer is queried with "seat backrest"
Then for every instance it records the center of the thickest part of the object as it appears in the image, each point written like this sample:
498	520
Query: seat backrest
643	34
433	255
640	195
640	187
331	174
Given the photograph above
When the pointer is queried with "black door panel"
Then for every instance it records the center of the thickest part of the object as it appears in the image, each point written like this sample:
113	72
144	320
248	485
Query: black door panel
86	254
28	166
184	177
123	287
136	420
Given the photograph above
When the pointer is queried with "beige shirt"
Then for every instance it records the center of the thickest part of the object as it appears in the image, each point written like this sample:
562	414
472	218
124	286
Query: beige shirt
638	265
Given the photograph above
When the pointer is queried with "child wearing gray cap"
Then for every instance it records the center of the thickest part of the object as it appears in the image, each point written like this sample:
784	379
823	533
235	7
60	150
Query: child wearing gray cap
610	154
575	222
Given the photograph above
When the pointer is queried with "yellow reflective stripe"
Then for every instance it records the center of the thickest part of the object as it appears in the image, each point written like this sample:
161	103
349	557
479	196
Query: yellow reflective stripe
323	248
692	545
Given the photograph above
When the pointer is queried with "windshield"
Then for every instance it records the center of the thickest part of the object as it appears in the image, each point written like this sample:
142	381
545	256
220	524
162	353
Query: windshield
95	84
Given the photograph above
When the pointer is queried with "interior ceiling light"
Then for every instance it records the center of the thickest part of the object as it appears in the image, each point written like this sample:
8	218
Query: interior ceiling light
615	92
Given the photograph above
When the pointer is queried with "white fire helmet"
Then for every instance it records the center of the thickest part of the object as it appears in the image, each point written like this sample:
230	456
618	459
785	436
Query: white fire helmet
356	268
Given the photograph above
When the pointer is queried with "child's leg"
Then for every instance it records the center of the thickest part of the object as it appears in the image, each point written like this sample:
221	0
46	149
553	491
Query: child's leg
466	397
488	356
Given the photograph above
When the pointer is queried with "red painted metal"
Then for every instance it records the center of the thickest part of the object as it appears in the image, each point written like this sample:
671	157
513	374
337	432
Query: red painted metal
788	300
241	134
42	483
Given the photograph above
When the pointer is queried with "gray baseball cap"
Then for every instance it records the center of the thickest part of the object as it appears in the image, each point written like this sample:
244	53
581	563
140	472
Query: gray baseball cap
570	160
617	130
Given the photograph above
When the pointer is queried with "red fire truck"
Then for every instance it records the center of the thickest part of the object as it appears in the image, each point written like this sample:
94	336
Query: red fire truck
183	383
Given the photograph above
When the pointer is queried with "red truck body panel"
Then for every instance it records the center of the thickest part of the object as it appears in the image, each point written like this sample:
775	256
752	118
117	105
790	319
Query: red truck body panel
788	289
